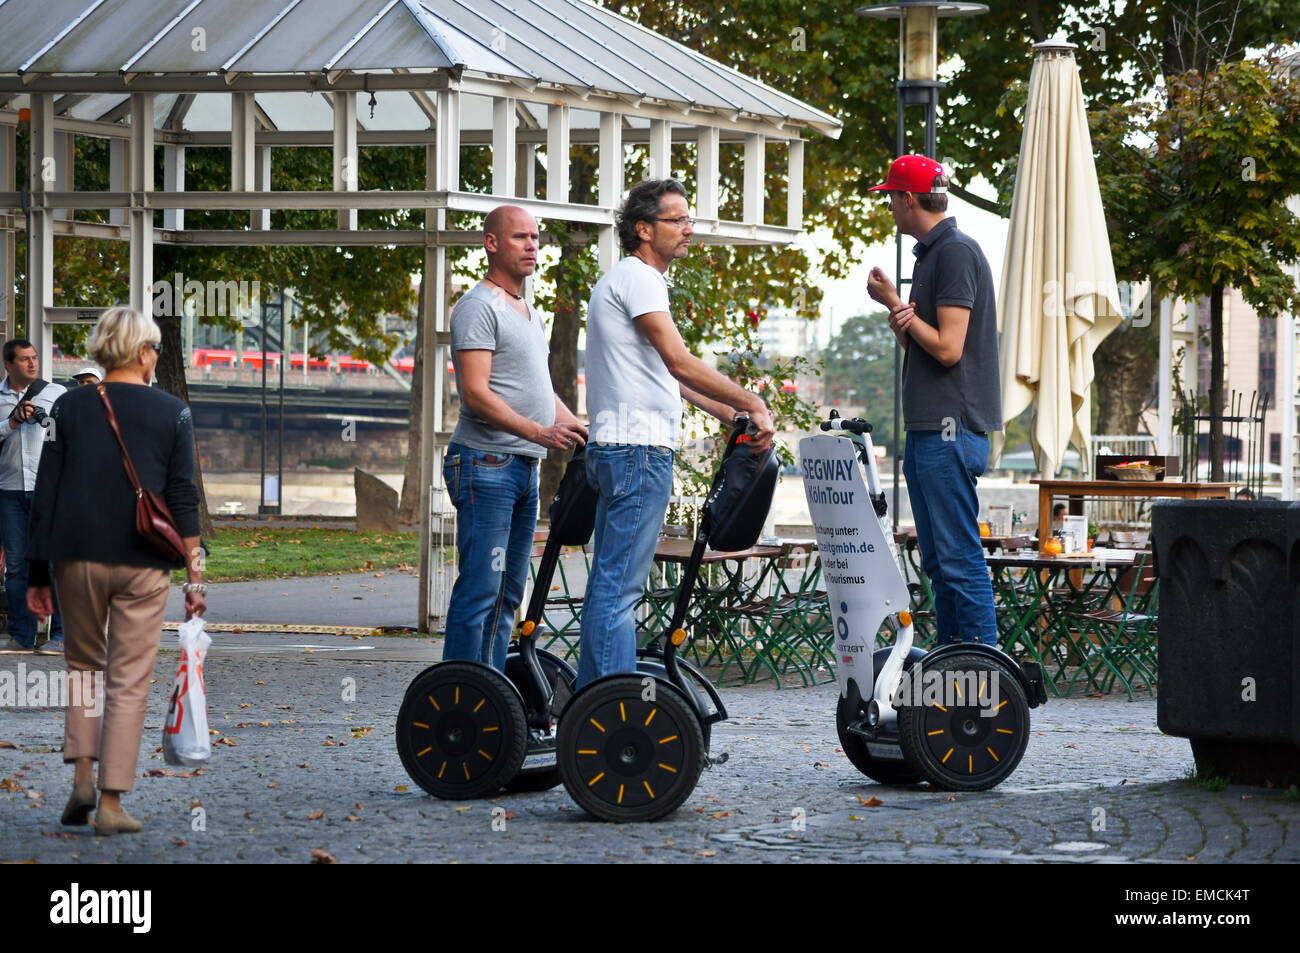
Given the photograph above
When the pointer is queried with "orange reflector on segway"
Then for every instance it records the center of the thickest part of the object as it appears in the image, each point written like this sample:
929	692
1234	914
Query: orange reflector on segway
678	636
528	627
905	617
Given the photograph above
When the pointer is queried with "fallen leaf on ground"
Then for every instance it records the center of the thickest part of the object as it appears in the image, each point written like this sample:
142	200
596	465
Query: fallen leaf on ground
352	817
178	842
245	704
8	744
31	793
274	784
315	815
706	853
400	787
321	856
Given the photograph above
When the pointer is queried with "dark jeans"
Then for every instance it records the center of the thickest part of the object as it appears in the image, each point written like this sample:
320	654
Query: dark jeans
941	471
15	512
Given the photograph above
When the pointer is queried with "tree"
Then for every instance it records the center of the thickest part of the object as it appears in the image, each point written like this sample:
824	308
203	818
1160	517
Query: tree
1198	190
859	372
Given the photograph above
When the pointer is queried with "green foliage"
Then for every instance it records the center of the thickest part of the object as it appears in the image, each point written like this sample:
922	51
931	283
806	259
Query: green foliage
859	373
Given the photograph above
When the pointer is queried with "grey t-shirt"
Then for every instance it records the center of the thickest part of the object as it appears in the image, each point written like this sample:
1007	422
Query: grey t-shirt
483	321
952	270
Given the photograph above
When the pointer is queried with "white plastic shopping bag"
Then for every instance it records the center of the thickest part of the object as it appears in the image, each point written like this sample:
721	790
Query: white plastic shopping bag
185	732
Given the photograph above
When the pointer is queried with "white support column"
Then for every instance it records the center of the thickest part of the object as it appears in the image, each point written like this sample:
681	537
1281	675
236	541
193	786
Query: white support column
611	183
447	142
261	217
141	216
1165	394
64	160
441	173
243	140
661	148
557	153
8	239
794	189
345	152
504	122
174	181
40	240
755	154
526	171
119	160
706	173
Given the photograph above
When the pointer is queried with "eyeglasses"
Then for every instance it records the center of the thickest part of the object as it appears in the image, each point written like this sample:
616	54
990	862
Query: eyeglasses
681	222
157	348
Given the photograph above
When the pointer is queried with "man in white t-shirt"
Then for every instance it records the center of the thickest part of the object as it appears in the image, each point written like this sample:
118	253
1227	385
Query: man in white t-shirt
638	372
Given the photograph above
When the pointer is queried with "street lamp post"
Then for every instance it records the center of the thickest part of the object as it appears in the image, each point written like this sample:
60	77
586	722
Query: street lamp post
918	85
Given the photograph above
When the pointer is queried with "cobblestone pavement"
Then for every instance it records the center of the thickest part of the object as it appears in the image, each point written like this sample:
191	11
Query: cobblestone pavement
296	767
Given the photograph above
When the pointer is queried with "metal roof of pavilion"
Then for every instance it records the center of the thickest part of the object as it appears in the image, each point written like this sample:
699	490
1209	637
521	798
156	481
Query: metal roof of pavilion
568	44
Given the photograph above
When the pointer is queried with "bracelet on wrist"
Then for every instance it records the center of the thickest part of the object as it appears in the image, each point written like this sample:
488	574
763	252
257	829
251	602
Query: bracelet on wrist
200	587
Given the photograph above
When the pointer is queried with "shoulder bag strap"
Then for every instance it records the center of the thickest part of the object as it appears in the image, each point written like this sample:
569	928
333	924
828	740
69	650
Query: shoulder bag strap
112	422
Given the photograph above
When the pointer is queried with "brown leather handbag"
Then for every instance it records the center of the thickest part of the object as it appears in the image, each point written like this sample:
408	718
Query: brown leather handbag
153	520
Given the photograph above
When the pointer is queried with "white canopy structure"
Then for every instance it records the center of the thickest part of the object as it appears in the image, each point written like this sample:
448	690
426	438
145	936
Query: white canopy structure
528	78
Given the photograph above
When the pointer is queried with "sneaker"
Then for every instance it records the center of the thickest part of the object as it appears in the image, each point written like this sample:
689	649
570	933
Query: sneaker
13	645
51	647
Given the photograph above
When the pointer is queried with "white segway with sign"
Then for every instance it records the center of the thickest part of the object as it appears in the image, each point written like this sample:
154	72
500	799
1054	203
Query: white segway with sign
956	716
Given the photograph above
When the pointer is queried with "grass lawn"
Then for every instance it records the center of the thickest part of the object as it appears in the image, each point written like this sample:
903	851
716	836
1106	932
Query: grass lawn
237	555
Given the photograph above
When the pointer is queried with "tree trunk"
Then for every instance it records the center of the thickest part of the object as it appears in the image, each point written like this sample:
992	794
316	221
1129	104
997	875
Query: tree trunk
171	378
567	321
563	365
1125	364
1217	402
408	510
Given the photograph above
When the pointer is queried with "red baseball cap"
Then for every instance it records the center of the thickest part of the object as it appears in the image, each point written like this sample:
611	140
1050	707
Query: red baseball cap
912	174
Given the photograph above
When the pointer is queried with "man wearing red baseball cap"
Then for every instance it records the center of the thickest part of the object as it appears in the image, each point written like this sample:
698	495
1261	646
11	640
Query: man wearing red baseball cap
951	397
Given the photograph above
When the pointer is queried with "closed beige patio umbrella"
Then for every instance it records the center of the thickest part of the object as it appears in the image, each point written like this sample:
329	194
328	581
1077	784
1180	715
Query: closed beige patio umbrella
1058	297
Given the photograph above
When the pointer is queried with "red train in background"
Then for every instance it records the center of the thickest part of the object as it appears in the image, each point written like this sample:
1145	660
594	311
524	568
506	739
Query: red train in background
337	363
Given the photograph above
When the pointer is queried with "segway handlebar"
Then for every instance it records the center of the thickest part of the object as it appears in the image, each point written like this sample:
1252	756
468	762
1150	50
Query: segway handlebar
855	425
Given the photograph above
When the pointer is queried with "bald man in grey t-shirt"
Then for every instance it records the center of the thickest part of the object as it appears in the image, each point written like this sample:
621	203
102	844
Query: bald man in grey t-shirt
509	417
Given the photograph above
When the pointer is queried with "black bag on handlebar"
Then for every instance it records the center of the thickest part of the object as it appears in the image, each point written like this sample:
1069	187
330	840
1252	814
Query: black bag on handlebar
737	505
573	510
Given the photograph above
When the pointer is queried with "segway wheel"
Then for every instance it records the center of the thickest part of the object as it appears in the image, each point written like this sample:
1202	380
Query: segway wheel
461	730
624	759
884	770
555	670
969	729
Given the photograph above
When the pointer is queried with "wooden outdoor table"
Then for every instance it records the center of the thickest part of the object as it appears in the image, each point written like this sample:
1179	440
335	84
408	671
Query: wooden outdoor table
1076	490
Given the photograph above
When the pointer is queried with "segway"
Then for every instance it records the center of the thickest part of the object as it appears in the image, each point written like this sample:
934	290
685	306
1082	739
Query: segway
465	730
956	716
631	746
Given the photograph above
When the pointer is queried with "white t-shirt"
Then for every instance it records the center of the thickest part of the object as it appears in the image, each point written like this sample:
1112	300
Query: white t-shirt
631	396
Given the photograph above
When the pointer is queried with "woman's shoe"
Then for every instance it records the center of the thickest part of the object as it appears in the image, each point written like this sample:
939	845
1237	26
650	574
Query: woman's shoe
80	804
115	822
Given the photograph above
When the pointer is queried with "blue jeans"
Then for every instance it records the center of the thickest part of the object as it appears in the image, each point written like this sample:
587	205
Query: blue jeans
634	483
495	495
941	477
15	512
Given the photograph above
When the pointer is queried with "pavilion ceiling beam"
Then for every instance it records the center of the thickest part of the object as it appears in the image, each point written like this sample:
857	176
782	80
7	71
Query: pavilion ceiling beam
446	167
408	137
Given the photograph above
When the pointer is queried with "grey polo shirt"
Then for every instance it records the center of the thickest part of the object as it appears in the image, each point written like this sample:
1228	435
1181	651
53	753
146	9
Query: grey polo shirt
483	321
951	270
